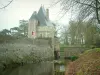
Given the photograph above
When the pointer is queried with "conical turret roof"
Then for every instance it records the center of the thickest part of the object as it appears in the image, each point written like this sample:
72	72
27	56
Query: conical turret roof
34	15
41	16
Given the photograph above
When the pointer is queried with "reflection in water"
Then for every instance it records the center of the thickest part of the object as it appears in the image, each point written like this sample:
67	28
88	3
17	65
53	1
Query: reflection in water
44	68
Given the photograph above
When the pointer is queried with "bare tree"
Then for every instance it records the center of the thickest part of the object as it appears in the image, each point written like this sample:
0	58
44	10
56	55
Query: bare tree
6	4
86	8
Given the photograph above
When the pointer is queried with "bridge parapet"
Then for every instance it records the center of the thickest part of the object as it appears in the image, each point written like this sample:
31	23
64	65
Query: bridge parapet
72	51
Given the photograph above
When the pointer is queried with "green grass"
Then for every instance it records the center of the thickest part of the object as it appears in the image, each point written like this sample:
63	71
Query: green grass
91	50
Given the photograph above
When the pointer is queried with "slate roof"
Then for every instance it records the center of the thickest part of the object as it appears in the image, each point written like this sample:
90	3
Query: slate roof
41	17
34	15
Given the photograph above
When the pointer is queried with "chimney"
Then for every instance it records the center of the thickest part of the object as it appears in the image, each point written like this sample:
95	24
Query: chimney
47	13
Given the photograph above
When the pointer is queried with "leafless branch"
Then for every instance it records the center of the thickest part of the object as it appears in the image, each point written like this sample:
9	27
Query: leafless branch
98	1
85	4
7	5
52	5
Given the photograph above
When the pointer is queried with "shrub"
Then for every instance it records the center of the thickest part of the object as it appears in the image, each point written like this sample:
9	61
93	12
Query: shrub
72	58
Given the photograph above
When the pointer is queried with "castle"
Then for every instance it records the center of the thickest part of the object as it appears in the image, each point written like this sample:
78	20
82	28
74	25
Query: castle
40	26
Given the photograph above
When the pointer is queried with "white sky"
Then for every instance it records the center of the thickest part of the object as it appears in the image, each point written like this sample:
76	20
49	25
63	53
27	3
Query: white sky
23	9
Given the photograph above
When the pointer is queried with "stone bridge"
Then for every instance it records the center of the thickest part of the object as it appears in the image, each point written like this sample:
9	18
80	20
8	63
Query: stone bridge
72	51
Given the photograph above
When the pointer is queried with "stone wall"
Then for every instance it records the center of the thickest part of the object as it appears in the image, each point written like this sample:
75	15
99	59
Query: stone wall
24	51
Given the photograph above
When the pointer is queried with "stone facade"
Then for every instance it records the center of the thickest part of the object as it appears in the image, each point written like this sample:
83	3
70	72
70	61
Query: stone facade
32	28
45	32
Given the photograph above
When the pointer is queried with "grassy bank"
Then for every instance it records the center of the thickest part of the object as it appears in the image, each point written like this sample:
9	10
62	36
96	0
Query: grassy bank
87	64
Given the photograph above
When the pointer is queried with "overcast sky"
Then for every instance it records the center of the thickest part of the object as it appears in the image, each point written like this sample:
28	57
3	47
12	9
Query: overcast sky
23	9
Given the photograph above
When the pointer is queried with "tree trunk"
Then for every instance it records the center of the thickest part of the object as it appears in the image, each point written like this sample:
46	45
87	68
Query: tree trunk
97	12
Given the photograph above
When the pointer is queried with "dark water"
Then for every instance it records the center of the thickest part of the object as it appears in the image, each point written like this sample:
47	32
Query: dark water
43	68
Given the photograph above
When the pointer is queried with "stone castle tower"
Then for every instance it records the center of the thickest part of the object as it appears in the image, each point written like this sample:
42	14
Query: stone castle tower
40	26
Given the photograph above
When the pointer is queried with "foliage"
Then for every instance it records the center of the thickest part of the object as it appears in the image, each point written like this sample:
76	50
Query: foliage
22	30
14	33
64	36
5	32
59	73
82	33
6	38
92	50
62	48
72	58
24	27
23	51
